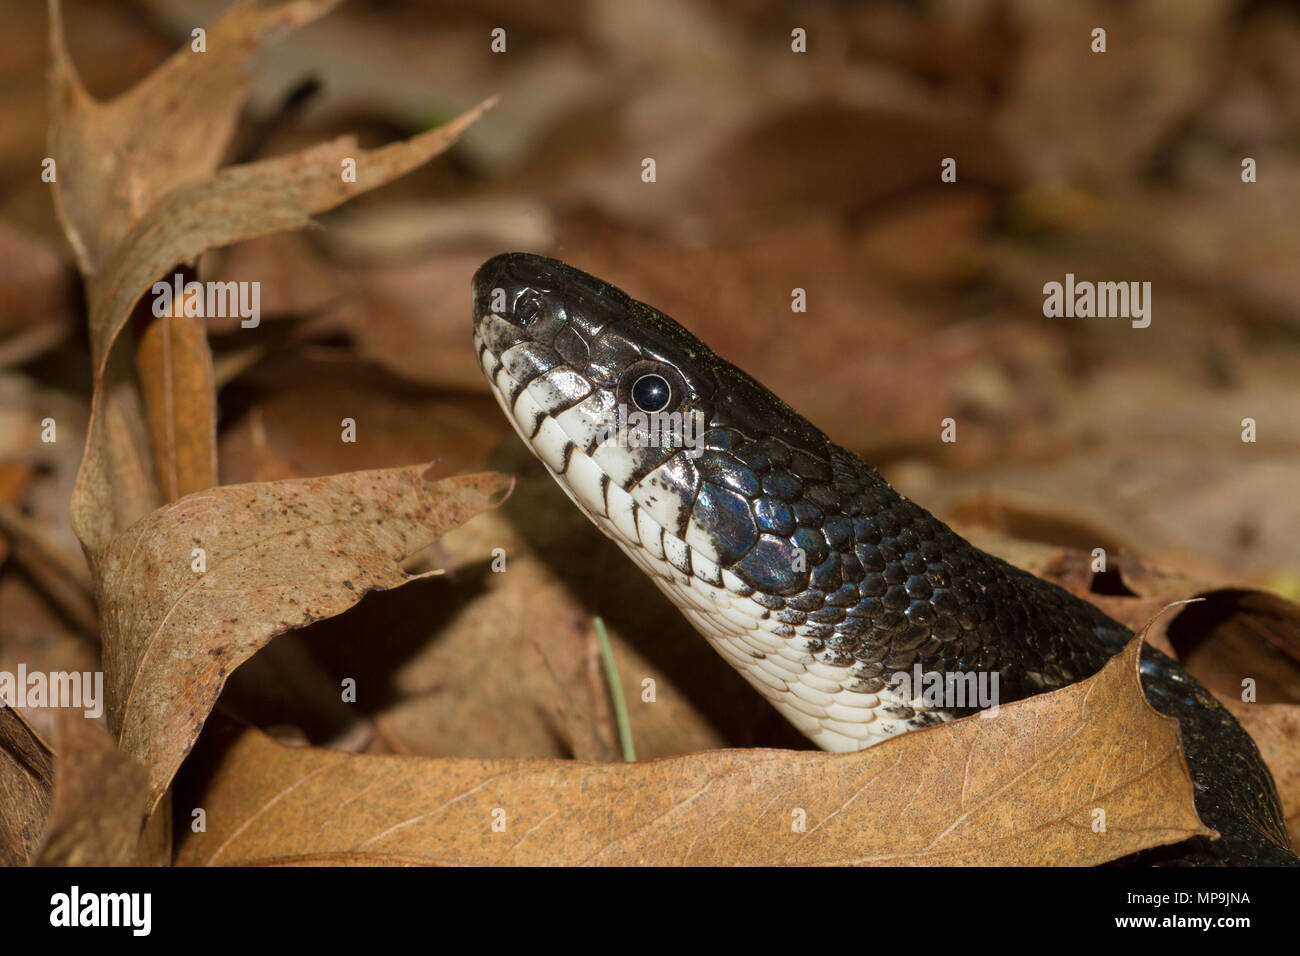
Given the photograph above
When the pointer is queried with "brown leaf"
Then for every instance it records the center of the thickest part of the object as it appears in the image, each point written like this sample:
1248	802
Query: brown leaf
116	484
1276	729
1235	635
931	240
278	556
1113	451
138	195
242	202
99	798
26	779
1221	638
118	158
1019	788
36	310
1098	128
293	429
176	377
14	477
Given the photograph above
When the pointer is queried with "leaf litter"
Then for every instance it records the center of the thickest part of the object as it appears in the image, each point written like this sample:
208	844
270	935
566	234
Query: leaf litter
155	199
139	193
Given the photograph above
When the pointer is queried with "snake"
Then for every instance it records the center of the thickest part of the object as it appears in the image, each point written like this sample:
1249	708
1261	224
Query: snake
798	562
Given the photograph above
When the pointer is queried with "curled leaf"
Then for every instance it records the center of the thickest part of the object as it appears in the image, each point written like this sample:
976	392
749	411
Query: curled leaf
1024	788
193	590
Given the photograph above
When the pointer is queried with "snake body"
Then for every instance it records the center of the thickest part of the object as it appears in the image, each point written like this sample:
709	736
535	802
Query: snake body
795	559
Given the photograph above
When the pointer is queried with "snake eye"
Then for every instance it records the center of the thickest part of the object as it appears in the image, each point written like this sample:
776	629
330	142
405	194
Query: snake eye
652	386
651	393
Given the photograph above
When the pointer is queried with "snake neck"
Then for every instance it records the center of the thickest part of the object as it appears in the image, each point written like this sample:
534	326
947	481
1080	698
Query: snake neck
844	604
833	595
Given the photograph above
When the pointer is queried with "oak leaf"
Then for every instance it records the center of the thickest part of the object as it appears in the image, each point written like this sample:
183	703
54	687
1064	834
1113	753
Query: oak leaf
199	585
1023	788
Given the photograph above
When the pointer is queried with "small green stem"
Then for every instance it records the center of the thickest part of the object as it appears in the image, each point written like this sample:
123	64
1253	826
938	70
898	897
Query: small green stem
616	693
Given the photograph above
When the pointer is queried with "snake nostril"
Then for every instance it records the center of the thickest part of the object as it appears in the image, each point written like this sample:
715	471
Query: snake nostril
528	309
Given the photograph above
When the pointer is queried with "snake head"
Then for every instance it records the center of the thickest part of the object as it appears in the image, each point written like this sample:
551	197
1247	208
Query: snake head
552	316
647	429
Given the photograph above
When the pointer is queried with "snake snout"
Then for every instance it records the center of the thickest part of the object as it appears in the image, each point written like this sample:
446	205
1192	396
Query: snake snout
514	286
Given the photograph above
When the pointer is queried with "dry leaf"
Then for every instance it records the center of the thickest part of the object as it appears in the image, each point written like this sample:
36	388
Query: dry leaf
1020	788
176	377
118	158
240	202
26	778
152	201
1237	634
36	311
293	429
274	556
1141	457
1099	127
100	795
14	477
1276	729
78	803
